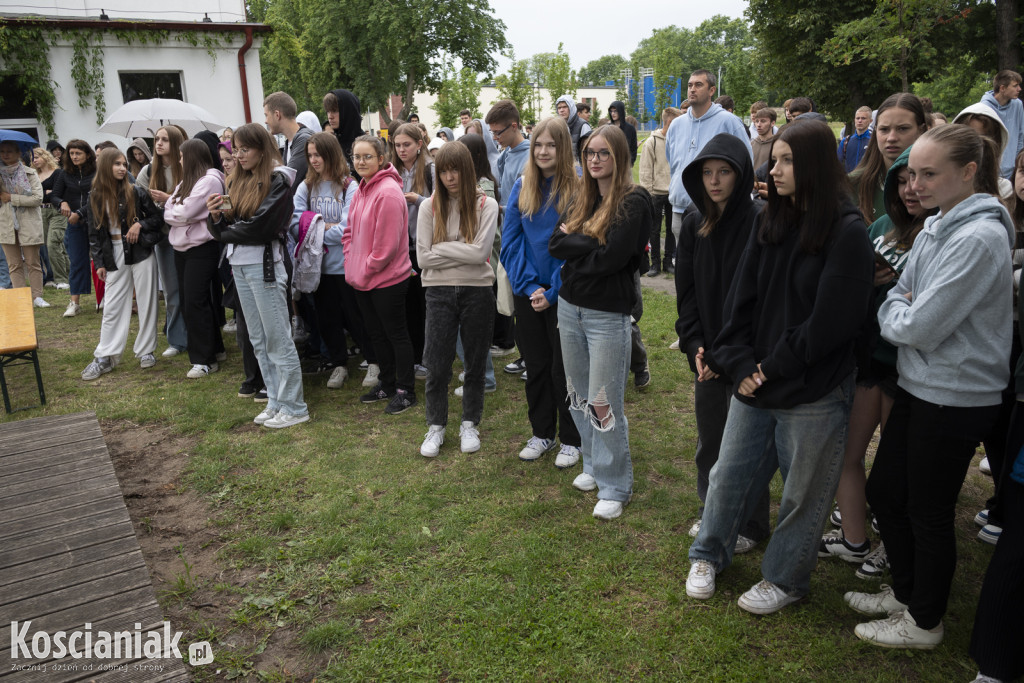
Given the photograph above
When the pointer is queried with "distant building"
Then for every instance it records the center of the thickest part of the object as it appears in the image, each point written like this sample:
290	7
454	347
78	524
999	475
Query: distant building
227	84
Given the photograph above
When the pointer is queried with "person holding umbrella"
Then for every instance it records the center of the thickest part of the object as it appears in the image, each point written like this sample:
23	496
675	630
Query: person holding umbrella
21	220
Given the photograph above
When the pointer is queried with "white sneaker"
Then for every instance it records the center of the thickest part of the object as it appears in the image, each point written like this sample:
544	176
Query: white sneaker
338	377
567	456
470	437
765	597
584	482
372	375
607	509
267	414
72	310
62	285
883	602
432	441
230	326
147	360
535	448
170	352
40	302
198	371
984	467
674	345
282	420
700	582
487	390
695	529
899	630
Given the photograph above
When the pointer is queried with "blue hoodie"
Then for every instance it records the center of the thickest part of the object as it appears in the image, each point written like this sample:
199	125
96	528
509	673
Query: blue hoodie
686	138
954	338
510	167
1012	114
524	246
334	208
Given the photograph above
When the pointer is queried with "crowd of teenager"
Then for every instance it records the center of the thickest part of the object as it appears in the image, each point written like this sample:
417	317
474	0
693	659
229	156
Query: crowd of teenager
822	293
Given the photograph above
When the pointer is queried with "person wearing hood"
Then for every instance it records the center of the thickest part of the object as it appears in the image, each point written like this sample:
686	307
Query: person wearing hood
57	150
617	117
446	134
139	156
504	126
578	128
493	151
377	265
950	317
986	121
260	206
1004	98
796	306
691	131
654	177
345	118
711	242
309	120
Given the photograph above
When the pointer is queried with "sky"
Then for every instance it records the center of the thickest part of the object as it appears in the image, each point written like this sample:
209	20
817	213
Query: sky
594	28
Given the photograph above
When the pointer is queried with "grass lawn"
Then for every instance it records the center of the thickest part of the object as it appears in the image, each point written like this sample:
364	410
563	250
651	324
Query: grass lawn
333	550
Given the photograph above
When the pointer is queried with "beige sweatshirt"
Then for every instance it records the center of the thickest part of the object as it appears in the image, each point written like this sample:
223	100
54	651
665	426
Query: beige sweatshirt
454	263
655	174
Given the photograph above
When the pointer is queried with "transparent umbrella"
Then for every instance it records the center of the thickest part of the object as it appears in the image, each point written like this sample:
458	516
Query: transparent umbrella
141	118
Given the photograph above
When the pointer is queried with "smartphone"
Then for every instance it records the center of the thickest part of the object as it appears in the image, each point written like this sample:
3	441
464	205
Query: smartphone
226	206
880	261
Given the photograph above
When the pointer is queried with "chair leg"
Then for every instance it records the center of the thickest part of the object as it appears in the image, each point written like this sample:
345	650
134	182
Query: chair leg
39	377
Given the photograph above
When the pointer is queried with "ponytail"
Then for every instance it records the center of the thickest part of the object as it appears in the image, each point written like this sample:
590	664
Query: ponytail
987	178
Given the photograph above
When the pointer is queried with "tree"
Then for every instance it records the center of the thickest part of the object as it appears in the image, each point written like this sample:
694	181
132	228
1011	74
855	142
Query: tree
559	78
603	69
959	85
538	67
459	91
515	86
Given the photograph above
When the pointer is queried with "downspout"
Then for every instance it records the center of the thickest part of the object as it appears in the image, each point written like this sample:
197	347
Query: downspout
241	73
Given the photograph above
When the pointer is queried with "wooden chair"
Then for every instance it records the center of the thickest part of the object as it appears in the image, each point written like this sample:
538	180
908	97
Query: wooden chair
18	343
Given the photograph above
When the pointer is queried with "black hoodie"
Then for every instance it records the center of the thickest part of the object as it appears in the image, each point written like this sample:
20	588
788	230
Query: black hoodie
797	314
626	127
349	122
705	266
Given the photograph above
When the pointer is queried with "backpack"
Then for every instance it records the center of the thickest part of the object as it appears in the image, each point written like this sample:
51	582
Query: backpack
309	254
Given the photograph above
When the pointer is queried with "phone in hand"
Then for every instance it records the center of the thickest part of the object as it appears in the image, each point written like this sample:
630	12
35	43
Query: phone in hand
882	263
226	206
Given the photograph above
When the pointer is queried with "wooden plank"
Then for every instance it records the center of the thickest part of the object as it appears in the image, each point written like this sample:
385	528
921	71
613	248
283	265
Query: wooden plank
87	596
9	447
83	576
15	528
49	573
33	482
56	456
48	425
80	533
29	505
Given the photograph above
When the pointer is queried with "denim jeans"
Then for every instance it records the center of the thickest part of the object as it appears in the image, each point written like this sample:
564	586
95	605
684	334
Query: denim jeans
454	312
76	243
270	330
595	350
175	328
490	384
5	276
809	441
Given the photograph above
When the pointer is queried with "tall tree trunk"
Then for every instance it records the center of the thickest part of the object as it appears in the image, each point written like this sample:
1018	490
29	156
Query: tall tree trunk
1007	35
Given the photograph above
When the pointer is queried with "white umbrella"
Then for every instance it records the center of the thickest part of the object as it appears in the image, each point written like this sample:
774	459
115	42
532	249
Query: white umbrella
141	118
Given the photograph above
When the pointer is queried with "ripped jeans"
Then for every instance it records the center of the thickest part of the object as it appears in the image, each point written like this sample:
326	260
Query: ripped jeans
596	351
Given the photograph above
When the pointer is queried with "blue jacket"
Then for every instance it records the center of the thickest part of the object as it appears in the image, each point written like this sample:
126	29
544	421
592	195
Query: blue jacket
686	138
510	167
852	148
524	246
334	208
1012	114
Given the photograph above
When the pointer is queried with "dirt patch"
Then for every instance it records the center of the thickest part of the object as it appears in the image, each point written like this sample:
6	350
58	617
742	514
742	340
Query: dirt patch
180	542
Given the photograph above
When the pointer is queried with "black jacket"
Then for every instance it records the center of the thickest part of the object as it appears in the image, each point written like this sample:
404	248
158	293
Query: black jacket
269	223
626	128
297	155
797	314
600	276
706	266
148	214
350	118
73	187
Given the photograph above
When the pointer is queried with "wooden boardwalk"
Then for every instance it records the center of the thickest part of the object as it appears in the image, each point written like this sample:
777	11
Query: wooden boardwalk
68	552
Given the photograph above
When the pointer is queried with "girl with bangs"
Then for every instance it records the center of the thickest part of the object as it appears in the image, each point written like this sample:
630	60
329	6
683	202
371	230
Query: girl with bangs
71	195
252	225
159	178
416	169
532	213
196	255
798	302
602	241
328	190
453	244
124	225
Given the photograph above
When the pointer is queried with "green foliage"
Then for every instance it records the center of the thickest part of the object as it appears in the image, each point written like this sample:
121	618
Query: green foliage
24	51
87	72
459	91
960	85
559	77
539	64
606	68
515	85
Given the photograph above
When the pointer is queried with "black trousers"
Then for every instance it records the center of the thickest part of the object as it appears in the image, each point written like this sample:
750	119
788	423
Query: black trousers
546	395
197	275
919	468
998	626
384	314
1000	443
336	311
662	214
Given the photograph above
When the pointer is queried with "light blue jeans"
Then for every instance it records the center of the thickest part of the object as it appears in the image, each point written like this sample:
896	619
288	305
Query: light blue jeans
809	441
270	331
176	335
595	352
5	276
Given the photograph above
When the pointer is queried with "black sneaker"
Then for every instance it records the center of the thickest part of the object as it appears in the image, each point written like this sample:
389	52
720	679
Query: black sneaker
516	366
836	518
246	391
400	402
643	378
654	271
834	544
875	564
375	394
261	396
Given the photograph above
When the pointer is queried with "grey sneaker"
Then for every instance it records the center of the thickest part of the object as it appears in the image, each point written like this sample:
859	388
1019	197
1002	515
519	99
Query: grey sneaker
98	366
147	360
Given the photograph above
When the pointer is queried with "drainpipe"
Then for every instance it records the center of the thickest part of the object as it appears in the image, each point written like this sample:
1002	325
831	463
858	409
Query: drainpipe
241	73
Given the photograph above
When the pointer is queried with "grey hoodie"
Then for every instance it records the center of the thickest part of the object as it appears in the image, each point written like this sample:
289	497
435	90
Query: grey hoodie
954	338
446	131
578	128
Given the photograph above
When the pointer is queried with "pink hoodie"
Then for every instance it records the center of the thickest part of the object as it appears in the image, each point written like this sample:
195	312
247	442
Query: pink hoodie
188	219
376	244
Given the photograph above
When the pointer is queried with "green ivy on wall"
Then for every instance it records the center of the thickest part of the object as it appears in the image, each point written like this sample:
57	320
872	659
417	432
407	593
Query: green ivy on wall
25	56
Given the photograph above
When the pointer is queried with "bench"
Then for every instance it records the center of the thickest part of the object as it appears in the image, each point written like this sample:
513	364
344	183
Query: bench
18	343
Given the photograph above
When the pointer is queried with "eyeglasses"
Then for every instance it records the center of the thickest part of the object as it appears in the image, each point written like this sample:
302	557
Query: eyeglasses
364	157
601	154
500	132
